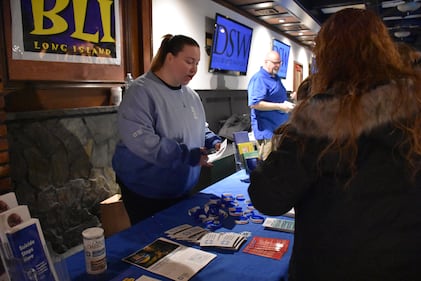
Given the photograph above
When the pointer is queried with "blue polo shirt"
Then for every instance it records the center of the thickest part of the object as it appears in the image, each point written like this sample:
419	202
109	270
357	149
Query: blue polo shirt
265	87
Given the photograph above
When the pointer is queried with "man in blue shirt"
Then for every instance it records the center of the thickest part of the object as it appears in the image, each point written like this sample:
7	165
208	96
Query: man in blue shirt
267	98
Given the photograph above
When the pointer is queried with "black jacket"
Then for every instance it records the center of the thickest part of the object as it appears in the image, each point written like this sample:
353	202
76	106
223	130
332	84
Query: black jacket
364	228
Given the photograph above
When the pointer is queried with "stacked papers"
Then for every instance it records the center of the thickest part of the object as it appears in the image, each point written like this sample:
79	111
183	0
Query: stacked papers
186	232
24	248
286	225
224	240
205	238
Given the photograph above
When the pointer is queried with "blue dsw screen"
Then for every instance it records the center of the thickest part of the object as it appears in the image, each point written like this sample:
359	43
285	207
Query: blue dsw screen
231	45
283	50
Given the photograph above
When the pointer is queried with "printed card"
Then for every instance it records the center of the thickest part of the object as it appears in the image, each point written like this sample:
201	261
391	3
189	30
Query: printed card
273	248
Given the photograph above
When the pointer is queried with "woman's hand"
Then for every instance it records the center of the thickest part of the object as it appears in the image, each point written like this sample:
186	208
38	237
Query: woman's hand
204	158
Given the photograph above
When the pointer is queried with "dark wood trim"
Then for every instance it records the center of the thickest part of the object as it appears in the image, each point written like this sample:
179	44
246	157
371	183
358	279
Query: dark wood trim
138	34
3	66
146	38
130	19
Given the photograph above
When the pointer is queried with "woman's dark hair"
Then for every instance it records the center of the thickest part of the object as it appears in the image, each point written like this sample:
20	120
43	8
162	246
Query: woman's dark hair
355	54
409	54
170	44
304	88
354	51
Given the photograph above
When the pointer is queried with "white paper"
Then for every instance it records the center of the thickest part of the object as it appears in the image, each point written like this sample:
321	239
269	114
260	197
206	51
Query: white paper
222	240
175	261
289	104
215	156
280	224
290	213
146	278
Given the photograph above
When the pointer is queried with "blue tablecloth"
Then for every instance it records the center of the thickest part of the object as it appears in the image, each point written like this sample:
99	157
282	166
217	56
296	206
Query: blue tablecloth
226	266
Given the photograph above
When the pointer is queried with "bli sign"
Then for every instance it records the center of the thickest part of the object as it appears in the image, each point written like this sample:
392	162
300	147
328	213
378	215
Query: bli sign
66	30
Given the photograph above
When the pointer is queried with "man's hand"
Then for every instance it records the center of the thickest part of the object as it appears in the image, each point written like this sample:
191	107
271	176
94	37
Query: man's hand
286	106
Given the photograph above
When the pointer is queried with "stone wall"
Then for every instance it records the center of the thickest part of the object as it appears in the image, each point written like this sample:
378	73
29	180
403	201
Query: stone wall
61	168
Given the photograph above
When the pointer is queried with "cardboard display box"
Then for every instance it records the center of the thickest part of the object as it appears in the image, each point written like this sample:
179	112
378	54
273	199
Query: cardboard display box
114	217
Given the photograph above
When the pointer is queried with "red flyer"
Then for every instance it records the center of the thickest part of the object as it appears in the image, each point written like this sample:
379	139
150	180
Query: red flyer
273	248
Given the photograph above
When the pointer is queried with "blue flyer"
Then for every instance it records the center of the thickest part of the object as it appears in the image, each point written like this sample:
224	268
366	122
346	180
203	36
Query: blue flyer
30	259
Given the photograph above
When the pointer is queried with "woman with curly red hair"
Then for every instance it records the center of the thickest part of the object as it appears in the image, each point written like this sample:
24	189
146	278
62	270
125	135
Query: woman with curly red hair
349	159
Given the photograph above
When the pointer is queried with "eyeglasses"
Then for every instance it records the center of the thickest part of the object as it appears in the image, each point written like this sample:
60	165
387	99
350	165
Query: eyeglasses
275	62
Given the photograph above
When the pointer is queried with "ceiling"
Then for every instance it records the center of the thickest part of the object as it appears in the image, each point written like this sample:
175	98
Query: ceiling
300	20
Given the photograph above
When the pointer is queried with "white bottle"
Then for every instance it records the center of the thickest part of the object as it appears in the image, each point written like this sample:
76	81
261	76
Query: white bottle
128	81
95	254
116	95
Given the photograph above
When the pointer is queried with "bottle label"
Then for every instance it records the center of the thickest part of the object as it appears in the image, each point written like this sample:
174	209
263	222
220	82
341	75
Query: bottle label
95	253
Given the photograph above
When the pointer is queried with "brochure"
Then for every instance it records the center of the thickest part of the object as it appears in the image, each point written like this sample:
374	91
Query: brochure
7	202
170	259
28	248
285	225
24	247
273	248
241	136
223	240
245	147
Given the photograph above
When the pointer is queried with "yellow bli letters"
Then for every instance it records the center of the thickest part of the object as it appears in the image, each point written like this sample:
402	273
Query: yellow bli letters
79	10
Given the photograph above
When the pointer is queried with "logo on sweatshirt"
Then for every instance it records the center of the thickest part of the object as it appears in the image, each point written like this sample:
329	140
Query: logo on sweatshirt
137	133
194	112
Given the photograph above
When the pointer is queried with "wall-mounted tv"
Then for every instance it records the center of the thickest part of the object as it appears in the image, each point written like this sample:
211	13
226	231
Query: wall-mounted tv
230	46
283	50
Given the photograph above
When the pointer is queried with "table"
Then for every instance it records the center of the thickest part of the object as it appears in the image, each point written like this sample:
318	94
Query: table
226	266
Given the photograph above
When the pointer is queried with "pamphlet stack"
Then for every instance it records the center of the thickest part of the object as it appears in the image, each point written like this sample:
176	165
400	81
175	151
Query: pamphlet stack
24	251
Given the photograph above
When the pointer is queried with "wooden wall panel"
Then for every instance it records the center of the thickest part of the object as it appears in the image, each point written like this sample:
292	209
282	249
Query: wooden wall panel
32	99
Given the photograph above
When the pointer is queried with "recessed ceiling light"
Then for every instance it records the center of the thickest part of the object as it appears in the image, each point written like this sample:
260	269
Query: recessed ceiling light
408	6
402	34
391	4
332	10
290	24
281	20
266	11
